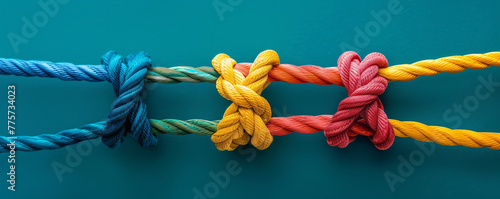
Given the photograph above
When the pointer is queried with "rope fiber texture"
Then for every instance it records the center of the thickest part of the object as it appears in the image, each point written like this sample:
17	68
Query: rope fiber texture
277	126
363	105
313	124
63	71
53	141
330	75
129	110
249	115
283	72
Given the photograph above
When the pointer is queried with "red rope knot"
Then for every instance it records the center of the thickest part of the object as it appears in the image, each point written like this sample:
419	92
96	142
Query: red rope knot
364	86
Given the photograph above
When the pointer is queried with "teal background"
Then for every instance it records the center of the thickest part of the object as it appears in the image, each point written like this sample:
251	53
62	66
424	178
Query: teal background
191	33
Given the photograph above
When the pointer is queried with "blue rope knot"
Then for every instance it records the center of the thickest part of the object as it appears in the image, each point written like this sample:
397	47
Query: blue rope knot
129	110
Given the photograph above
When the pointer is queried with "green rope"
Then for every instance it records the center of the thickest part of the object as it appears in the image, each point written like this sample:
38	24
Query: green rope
184	127
178	74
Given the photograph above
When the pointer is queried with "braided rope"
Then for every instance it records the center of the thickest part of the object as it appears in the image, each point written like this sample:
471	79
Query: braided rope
452	64
446	136
363	86
53	141
276	126
184	127
128	115
179	74
63	71
313	124
247	115
283	72
330	75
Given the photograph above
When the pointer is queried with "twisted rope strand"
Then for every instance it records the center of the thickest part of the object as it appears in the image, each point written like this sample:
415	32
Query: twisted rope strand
277	126
53	141
445	136
284	72
298	74
312	124
330	75
179	74
244	120
63	71
184	127
363	86
453	64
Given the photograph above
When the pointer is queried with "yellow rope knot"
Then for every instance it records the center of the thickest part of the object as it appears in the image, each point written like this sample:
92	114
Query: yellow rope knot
248	114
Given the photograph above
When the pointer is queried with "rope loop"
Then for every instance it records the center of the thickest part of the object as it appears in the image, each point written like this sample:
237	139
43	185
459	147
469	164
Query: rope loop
128	114
364	86
248	114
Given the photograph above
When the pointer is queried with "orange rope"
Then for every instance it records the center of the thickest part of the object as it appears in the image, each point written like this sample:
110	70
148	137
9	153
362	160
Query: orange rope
298	74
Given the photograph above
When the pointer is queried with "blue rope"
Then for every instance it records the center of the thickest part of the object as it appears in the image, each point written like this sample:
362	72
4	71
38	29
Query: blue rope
63	71
53	141
128	114
129	110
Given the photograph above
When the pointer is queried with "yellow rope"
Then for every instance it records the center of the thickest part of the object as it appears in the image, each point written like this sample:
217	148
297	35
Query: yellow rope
445	136
248	114
452	64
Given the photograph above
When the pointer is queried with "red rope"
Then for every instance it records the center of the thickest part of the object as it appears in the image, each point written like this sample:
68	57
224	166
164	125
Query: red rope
310	124
298	74
364	86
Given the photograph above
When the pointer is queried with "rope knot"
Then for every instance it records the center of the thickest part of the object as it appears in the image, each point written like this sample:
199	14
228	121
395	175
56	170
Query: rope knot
248	114
128	114
364	86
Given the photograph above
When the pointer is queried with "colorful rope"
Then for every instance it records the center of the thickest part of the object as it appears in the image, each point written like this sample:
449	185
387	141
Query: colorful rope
249	115
364	86
129	110
283	72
